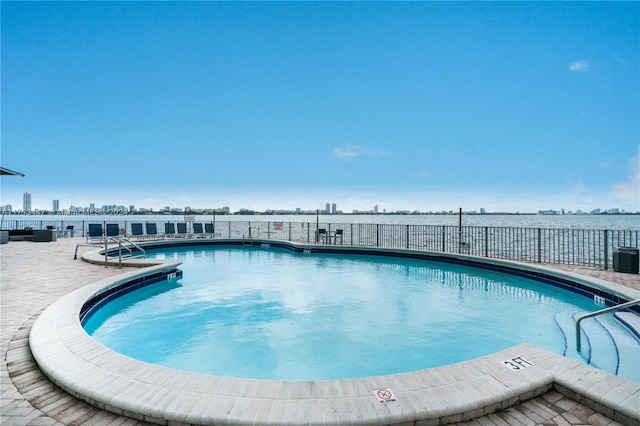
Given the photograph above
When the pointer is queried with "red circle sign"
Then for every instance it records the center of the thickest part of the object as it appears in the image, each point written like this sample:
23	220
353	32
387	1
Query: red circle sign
384	394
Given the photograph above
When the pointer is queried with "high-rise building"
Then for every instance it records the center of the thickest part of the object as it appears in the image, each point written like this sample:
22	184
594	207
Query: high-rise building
56	206
327	208
375	209
334	208
26	202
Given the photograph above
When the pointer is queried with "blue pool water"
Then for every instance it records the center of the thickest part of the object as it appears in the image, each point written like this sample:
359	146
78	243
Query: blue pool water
275	314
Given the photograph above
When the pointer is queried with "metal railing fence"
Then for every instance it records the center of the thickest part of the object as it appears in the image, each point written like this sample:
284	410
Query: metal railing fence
582	247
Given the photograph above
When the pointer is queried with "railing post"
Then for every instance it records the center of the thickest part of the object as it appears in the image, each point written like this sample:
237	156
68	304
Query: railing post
377	235
606	250
443	242
106	244
460	231
486	241
351	232
539	245
407	236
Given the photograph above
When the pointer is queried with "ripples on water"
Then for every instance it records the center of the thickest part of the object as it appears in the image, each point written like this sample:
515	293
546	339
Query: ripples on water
620	222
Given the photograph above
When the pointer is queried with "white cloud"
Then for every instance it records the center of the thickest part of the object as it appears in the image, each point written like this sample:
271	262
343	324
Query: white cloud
349	152
629	191
579	66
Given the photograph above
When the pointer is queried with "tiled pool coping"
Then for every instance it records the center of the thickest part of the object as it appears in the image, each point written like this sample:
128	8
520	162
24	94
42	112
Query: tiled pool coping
110	381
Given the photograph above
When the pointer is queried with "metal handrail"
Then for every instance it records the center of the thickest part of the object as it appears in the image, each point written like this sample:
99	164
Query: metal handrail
144	253
602	311
570	246
75	255
119	240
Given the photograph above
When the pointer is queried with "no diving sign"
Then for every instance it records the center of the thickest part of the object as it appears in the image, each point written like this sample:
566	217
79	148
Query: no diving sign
385	395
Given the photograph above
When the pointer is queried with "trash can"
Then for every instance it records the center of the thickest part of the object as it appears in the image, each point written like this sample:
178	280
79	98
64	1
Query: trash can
626	259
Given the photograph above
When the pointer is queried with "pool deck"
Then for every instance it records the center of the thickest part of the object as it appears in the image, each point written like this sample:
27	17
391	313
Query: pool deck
34	275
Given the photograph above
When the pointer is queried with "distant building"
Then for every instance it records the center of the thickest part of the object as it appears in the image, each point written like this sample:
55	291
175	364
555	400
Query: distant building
327	208
6	209
375	209
56	206
334	208
26	202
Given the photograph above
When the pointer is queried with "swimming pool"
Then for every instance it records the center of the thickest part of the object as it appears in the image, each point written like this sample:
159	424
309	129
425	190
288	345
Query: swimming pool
272	313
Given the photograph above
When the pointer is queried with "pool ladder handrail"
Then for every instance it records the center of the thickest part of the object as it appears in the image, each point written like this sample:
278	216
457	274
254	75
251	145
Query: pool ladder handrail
119	240
602	311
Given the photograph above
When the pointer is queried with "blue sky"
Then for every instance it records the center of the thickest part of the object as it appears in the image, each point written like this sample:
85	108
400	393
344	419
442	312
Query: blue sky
411	106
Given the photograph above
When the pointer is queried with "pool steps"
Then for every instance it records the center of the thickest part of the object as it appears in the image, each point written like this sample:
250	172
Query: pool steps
631	321
609	354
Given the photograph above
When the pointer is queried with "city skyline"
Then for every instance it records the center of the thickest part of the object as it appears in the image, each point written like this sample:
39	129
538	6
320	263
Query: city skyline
329	208
509	106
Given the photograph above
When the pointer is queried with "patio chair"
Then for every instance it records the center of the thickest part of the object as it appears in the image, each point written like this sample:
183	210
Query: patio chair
95	233
321	235
152	230
197	230
182	230
338	235
209	230
169	230
136	231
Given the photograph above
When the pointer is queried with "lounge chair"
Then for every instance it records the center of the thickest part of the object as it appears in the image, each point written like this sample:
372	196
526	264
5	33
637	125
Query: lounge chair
210	231
152	230
113	230
136	231
182	230
197	230
169	230
95	233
